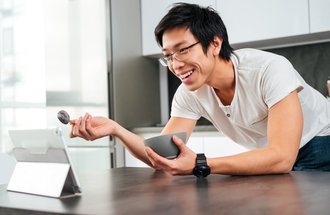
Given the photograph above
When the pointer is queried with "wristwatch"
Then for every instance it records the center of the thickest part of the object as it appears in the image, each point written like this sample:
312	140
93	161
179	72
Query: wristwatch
201	169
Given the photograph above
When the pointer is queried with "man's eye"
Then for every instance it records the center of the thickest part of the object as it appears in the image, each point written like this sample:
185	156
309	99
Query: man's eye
183	51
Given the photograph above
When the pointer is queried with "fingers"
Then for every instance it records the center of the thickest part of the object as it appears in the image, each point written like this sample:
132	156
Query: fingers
72	121
82	127
88	125
157	161
75	128
182	165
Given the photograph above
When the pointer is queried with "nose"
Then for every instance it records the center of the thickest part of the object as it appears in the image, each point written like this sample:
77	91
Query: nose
177	64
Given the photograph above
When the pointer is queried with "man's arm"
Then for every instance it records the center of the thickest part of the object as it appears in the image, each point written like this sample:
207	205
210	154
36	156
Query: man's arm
91	128
135	145
176	124
285	124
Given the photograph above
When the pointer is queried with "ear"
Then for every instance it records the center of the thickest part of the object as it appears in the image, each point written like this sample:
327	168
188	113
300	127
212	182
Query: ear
217	43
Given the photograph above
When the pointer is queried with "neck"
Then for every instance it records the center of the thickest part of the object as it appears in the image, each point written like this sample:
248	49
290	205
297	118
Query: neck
223	76
223	81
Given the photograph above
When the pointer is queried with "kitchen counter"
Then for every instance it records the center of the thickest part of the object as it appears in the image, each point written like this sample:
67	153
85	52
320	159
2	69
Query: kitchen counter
145	191
158	129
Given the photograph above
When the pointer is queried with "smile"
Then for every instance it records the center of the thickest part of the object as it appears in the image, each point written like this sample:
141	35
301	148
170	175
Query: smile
185	75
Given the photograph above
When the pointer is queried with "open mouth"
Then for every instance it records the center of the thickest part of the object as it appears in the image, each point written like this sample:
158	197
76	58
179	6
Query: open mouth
186	75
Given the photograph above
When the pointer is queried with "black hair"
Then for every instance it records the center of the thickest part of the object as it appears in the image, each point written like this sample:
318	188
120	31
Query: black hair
204	23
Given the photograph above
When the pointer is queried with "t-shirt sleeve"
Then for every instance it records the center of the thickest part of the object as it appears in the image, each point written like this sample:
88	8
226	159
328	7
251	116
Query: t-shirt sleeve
279	80
184	104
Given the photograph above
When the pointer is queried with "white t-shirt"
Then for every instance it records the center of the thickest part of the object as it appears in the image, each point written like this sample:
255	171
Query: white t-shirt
261	80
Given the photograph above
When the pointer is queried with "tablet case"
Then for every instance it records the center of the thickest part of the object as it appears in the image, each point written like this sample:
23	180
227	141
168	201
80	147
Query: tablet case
43	164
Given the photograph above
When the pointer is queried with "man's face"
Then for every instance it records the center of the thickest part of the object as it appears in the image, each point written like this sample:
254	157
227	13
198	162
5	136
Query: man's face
193	67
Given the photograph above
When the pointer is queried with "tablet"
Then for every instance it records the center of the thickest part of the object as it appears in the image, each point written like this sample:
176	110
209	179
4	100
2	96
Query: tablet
45	146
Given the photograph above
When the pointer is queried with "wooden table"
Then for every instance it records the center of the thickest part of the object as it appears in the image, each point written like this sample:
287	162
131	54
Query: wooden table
145	191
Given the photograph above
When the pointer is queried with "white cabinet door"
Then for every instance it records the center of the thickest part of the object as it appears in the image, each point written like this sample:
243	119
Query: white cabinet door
196	144
251	20
152	11
221	146
319	15
131	161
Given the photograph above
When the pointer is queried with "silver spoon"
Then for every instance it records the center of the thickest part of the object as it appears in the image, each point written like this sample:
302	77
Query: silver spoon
63	116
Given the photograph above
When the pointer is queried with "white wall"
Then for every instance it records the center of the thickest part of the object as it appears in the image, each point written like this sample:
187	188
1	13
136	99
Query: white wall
7	165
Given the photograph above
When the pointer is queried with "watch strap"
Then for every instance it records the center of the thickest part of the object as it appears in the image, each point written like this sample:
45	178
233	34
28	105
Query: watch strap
201	159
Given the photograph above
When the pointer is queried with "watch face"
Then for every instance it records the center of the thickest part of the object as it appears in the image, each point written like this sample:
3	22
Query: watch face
201	171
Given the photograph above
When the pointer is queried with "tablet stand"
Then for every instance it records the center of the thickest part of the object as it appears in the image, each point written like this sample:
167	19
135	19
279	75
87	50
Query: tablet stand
45	177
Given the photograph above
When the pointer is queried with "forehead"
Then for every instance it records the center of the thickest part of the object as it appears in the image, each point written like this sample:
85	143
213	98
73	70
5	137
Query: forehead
175	37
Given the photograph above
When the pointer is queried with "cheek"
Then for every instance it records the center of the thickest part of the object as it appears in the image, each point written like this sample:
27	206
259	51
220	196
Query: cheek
172	70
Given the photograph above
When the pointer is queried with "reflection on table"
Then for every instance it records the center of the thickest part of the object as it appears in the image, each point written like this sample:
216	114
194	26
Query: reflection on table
145	191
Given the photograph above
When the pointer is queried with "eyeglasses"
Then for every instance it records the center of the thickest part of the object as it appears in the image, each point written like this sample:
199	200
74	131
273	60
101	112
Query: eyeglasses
180	55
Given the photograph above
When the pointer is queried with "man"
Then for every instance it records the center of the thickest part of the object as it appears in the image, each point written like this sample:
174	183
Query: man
254	97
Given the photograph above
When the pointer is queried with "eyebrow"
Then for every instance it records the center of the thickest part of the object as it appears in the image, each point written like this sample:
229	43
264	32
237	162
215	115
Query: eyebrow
177	45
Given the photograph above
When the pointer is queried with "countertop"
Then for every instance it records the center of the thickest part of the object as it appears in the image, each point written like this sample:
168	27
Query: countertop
158	129
145	191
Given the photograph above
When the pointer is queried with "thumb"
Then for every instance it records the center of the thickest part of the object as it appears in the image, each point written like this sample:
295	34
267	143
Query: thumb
72	121
178	142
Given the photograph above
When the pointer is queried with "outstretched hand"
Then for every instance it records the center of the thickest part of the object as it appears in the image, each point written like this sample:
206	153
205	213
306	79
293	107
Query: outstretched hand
91	128
182	165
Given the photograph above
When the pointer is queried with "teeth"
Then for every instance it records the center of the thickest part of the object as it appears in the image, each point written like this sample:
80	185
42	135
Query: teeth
183	76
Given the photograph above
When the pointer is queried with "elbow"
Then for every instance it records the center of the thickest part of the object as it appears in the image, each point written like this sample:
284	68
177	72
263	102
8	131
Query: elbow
285	169
284	166
282	161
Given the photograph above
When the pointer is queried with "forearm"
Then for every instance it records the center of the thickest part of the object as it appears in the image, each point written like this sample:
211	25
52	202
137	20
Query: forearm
134	143
284	131
260	161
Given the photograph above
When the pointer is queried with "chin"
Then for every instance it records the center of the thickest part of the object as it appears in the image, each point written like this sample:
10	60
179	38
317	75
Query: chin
192	87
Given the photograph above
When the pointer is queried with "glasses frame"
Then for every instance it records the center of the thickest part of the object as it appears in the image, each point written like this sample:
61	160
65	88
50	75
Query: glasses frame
167	60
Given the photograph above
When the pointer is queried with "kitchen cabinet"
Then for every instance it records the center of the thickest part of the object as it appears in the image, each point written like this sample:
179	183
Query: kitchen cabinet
196	143
246	21
130	160
152	11
213	144
254	20
319	15
220	146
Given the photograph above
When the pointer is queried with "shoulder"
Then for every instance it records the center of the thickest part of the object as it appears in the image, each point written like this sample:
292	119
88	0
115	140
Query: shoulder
256	59
257	64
